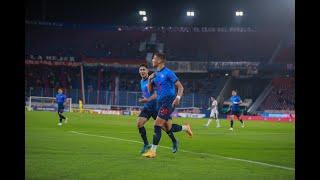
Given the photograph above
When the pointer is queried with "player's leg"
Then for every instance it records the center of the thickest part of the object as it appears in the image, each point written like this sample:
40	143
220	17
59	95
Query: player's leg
159	123
163	116
61	117
210	119
231	121
143	118
169	131
217	119
239	118
186	128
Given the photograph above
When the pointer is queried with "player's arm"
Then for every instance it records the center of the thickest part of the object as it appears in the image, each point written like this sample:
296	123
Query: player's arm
180	88
150	82
145	100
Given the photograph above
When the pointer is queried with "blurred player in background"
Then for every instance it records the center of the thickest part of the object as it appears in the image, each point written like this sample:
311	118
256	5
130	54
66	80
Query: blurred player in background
80	105
235	109
165	82
214	112
61	100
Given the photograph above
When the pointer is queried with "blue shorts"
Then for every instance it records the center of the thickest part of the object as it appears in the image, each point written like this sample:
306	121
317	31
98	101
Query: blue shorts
236	113
147	113
60	109
165	107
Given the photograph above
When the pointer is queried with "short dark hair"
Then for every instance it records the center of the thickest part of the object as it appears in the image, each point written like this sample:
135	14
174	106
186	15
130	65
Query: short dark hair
143	65
161	55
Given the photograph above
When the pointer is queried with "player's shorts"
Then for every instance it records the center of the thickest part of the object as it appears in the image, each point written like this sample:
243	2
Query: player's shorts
236	113
165	107
60	109
147	113
214	113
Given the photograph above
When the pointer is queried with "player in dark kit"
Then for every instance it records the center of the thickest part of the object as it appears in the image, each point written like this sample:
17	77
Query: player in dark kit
235	109
61	99
165	82
150	110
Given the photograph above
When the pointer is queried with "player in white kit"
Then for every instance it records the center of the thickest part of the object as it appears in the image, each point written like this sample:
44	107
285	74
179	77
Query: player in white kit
214	112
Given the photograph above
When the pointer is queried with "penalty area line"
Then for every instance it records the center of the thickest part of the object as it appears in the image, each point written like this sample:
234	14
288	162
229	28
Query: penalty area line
191	152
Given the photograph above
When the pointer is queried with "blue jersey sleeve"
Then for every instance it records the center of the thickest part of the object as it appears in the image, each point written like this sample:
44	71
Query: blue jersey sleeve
172	77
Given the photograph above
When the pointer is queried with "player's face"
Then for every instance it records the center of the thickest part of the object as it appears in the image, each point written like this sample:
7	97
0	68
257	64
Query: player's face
143	71
212	98
59	91
234	93
156	61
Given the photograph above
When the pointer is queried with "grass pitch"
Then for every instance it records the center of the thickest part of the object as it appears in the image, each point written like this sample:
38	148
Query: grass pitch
107	147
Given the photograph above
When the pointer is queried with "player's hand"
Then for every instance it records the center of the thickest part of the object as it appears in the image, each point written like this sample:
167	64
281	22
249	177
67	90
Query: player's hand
143	100
176	102
152	76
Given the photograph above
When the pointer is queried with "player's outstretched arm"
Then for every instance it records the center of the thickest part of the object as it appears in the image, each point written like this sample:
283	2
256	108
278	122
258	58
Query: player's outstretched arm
180	88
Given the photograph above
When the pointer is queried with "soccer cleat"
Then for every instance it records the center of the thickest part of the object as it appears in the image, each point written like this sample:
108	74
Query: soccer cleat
149	154
189	131
242	125
175	147
231	129
66	120
59	124
145	148
218	126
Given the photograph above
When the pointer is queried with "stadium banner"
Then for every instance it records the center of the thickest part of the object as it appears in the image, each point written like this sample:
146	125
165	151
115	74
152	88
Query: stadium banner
203	67
191	115
111	112
134	113
52	108
238	29
126	113
113	62
52	63
44	108
262	118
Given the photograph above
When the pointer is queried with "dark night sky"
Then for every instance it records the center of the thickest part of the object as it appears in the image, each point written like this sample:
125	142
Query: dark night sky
163	12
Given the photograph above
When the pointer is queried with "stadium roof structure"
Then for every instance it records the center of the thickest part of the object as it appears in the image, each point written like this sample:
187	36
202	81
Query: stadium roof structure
164	12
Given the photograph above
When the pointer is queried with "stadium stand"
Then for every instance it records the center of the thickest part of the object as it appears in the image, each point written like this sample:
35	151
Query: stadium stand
282	96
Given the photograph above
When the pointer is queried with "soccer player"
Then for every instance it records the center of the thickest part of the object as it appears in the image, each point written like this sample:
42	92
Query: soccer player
61	99
80	105
165	82
235	109
150	110
214	112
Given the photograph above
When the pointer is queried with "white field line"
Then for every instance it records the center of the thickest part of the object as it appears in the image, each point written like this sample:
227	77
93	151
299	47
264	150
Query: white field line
191	152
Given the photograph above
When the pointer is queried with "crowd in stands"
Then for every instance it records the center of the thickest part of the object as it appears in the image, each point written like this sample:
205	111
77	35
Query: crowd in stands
282	96
97	78
52	77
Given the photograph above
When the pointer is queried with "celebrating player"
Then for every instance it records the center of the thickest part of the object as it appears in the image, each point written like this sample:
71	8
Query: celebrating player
235	109
164	81
61	99
150	110
214	112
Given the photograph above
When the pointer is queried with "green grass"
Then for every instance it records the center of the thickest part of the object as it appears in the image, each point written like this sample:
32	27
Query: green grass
54	152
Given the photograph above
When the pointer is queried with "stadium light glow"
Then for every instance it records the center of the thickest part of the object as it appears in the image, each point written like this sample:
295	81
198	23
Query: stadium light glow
142	13
190	13
239	13
144	18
